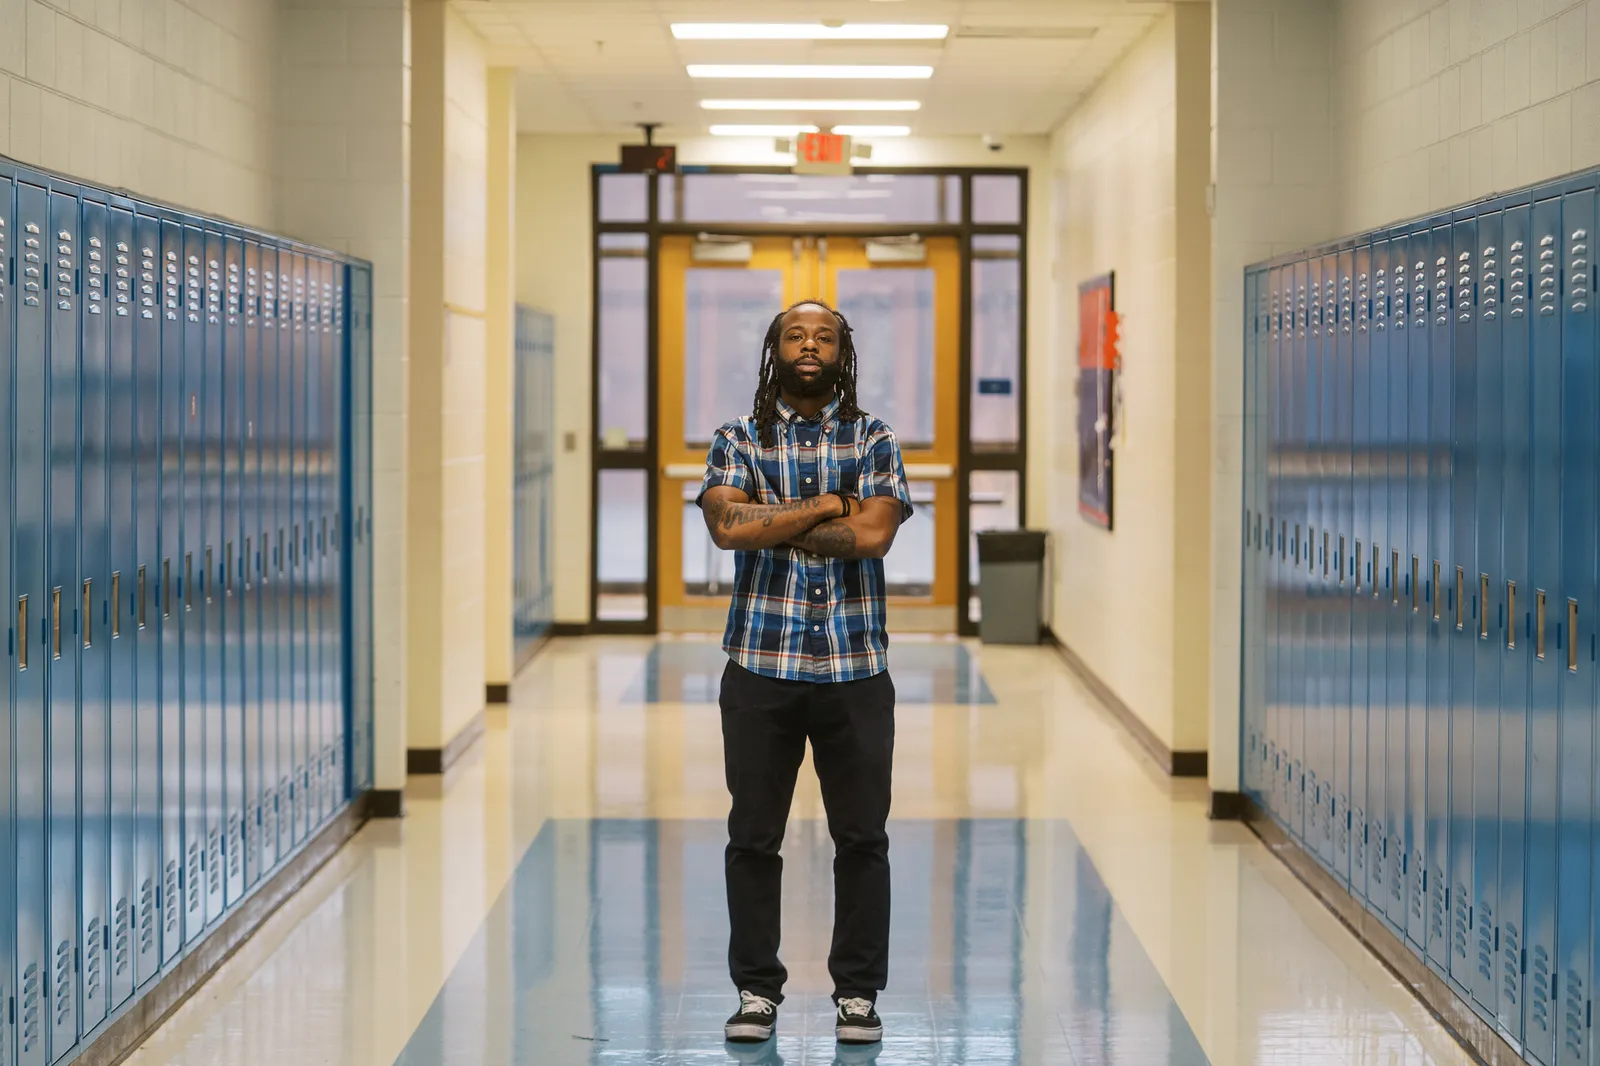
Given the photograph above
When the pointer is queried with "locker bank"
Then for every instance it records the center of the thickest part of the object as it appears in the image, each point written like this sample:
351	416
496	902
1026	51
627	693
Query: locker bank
365	641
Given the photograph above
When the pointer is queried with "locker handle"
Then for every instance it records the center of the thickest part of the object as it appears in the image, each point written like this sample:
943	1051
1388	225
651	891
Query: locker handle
1394	574
1433	590
55	624
88	612
1460	597
1511	615
1415	565
1572	635
22	632
1538	635
116	603
1358	566
277	553
188	581
294	547
208	574
1339	559
139	619
227	556
1325	540
1483	615
323	536
247	562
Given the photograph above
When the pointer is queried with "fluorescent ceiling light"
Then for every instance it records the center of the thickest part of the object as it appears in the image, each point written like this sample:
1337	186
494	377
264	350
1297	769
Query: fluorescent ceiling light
761	131
811	105
873	131
806	31
807	71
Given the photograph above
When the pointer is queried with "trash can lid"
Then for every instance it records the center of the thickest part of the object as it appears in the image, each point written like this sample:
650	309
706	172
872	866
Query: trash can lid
1012	546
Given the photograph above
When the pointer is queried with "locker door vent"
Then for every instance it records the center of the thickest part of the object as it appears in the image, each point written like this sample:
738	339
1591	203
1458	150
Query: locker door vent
122	944
63	983
170	895
147	917
29	1026
93	934
1486	935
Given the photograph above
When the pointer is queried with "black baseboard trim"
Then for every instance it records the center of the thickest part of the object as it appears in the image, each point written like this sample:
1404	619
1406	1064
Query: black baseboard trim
438	760
118	1037
569	629
1480	1038
1226	806
386	803
1173	763
497	693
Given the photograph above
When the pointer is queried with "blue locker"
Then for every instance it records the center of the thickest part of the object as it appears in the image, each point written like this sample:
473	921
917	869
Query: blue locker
192	586
209	564
1250	615
1339	330
1402	863
274	794
91	624
290	737
1544	568
1365	728
358	406
1299	553
176	876
1514	650
1383	863
316	727
146	608
61	576
1484	628
299	614
333	559
1309	746
122	560
230	583
1413	559
1459	608
29	533
248	308
8	774
1570	619
1431	623
1276	522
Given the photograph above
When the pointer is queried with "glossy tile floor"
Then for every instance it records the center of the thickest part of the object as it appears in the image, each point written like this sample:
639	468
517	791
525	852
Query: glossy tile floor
557	898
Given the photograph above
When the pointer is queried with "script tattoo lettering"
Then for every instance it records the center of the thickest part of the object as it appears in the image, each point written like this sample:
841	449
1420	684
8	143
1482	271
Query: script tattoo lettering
730	515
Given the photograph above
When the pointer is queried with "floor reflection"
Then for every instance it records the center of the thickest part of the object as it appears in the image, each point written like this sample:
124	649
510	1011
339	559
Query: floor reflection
925	672
609	945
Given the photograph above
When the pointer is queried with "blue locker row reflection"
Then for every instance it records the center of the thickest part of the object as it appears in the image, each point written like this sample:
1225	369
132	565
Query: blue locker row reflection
1420	591
187	580
533	471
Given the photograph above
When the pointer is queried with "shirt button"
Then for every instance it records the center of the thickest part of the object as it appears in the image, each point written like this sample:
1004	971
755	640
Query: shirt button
816	629
808	481
810	444
816	592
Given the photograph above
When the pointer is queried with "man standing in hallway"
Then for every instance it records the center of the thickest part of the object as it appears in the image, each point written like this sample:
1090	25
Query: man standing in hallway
809	491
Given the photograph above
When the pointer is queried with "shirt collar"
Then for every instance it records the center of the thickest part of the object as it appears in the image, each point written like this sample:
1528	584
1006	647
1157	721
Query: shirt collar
824	416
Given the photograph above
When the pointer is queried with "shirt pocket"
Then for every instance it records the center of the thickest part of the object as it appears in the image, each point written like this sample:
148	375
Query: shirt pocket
845	470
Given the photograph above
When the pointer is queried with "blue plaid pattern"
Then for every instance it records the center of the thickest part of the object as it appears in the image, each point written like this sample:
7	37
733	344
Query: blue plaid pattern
798	616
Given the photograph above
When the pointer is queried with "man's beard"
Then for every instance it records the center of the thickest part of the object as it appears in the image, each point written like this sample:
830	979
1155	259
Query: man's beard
822	384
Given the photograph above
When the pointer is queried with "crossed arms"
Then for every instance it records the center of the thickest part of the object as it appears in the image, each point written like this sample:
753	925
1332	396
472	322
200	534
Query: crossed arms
819	525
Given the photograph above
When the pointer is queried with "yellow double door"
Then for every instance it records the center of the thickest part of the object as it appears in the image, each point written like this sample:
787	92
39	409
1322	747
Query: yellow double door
902	299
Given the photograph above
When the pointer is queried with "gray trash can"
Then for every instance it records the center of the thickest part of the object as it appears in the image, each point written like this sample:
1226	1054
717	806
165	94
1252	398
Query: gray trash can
1010	586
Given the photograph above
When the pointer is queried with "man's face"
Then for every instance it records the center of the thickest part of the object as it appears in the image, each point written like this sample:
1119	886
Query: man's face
808	352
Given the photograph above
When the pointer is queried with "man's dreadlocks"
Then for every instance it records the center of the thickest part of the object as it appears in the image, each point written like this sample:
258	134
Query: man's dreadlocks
766	398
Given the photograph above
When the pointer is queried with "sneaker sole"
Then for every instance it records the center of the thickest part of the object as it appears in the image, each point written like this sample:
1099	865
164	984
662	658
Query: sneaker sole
859	1034
746	1033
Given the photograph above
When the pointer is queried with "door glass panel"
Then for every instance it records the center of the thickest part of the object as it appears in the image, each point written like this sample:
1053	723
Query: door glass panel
707	569
952	198
908	569
624	353
624	198
996	343
725	322
891	316
866	198
997	199
624	545
994	504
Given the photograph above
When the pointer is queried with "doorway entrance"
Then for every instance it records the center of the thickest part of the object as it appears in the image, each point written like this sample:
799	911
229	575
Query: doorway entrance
902	297
929	266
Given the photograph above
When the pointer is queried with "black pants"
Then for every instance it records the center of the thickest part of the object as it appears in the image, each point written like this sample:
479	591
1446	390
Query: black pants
765	725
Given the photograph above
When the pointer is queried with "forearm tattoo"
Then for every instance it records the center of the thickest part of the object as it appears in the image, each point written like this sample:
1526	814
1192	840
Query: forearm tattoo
729	515
833	539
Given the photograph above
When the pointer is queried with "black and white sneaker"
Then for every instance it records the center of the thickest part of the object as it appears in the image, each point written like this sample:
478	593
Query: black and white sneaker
753	1022
858	1022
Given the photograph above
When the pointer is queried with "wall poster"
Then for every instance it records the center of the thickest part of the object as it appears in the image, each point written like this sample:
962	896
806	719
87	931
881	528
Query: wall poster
1097	369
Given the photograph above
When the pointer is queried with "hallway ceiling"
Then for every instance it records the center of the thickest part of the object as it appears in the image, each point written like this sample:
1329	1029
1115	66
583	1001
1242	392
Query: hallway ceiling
600	66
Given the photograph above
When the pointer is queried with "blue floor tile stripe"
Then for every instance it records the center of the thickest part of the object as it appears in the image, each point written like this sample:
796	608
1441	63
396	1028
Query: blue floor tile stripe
609	946
691	672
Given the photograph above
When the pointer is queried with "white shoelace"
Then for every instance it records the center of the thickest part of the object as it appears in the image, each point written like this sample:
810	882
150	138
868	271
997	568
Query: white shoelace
855	1005
750	1003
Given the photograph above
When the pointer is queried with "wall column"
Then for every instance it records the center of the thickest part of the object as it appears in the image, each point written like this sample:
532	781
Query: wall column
499	376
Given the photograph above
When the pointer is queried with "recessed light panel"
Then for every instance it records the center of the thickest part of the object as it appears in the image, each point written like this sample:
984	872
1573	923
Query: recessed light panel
811	105
808	71
807	31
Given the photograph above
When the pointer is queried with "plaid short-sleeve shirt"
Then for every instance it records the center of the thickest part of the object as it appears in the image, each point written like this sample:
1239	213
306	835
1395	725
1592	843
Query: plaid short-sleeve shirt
795	615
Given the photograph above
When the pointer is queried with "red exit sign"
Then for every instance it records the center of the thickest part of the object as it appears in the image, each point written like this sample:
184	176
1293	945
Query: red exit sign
822	153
